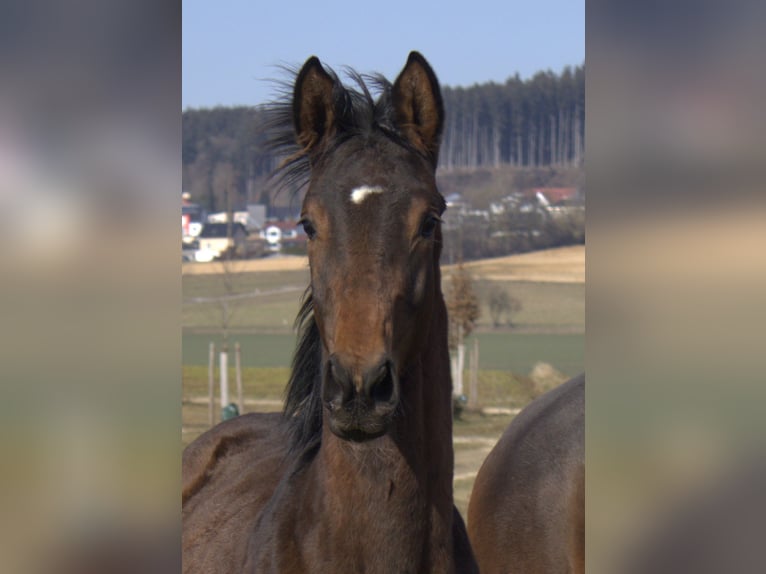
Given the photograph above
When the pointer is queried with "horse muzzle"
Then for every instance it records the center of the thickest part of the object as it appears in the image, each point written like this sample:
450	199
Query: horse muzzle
361	403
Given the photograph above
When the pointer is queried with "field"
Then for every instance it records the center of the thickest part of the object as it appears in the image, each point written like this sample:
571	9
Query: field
500	351
263	297
550	285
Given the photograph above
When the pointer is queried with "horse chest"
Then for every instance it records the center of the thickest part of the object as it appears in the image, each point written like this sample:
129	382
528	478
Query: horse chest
379	527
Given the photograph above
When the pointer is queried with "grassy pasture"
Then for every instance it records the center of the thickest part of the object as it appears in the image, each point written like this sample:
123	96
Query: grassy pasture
500	351
273	309
549	284
546	307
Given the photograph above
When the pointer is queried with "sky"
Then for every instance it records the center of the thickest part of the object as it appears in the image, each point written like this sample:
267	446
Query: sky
232	48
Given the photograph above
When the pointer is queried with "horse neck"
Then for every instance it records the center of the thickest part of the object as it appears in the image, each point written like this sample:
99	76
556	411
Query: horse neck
400	485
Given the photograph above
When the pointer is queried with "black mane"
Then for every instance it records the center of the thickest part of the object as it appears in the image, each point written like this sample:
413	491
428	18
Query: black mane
303	404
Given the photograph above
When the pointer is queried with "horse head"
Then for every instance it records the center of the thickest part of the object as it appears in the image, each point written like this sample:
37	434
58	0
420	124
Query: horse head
372	217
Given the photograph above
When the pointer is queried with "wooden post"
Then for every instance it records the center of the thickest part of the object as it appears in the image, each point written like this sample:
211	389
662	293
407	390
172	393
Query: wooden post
453	370
473	384
223	374
211	384
238	365
459	363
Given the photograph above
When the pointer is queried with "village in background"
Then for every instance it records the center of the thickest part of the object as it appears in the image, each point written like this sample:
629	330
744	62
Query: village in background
534	218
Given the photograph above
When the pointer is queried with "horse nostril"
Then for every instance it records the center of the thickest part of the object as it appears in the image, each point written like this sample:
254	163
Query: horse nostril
338	387
380	385
383	390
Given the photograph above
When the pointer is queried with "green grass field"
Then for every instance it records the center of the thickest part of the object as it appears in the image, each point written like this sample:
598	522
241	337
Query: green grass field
258	349
268	312
546	307
548	328
499	351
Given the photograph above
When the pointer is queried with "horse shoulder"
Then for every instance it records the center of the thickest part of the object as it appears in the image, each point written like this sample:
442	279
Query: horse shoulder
201	458
547	431
229	474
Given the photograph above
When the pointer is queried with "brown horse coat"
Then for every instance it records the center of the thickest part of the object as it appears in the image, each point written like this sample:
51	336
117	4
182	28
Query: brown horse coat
527	509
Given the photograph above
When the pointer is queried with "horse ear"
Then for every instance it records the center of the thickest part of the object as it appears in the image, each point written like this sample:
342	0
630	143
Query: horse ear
313	109
418	106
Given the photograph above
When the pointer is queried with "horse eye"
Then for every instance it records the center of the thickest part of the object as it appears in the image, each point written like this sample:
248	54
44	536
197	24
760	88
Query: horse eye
308	228
428	226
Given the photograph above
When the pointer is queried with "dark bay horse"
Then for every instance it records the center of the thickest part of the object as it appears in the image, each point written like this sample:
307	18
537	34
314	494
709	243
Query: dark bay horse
356	474
527	509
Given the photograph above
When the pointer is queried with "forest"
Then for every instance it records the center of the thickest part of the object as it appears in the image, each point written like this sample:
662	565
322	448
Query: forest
521	123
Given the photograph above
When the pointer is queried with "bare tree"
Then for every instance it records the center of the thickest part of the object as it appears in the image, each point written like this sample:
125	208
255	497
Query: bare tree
462	305
463	310
223	183
502	304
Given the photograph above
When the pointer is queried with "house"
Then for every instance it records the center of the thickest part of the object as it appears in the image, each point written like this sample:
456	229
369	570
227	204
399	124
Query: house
281	233
551	196
551	200
257	213
214	241
192	218
242	217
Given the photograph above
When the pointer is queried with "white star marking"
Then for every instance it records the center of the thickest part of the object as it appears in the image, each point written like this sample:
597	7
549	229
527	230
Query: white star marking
361	193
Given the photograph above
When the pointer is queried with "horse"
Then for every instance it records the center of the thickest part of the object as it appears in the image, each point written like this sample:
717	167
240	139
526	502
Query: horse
526	513
355	475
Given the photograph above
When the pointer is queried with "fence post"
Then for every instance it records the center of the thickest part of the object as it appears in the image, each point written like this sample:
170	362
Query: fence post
460	363
224	377
473	385
211	384
238	365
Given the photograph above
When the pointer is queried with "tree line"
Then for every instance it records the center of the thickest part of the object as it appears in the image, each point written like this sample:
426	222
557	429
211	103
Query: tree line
535	122
522	123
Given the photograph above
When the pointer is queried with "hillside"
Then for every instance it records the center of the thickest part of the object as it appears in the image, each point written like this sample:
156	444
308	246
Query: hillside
560	265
